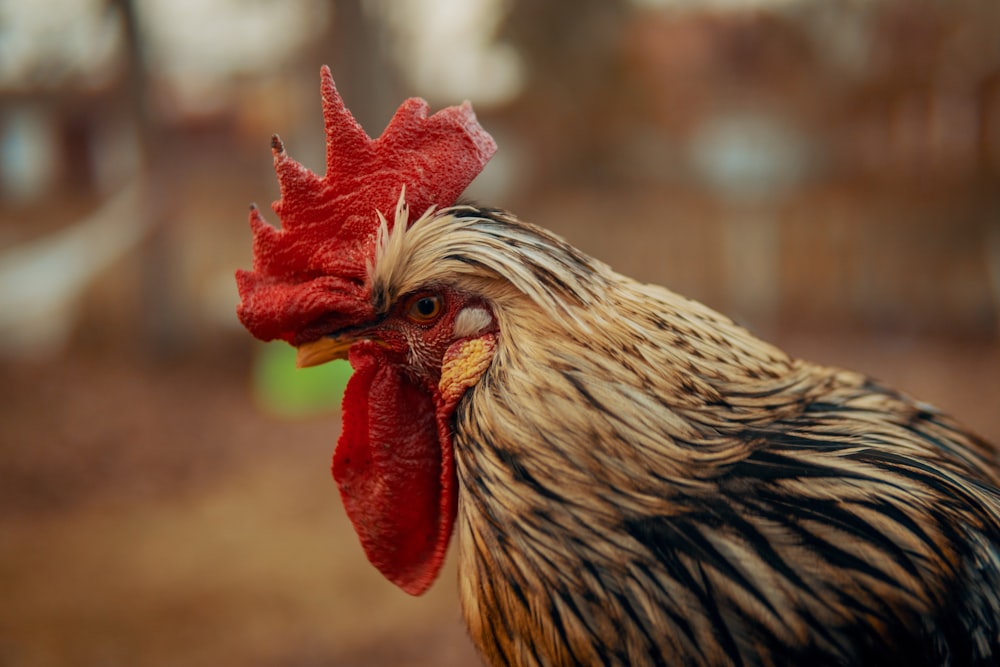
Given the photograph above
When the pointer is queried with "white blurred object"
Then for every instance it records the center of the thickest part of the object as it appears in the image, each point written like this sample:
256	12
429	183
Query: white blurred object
749	157
750	160
200	47
27	154
42	281
46	43
427	36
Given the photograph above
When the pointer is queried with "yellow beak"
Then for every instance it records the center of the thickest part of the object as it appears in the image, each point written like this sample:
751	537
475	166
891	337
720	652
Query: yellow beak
323	350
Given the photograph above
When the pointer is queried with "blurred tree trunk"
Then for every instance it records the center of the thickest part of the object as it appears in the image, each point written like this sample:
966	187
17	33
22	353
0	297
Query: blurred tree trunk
355	48
573	93
160	328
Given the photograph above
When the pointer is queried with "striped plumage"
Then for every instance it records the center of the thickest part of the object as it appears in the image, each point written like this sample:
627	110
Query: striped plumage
641	481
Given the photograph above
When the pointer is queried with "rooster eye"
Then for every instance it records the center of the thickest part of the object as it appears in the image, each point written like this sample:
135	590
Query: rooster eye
423	308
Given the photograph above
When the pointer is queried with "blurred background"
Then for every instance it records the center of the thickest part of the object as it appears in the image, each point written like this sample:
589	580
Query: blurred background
826	172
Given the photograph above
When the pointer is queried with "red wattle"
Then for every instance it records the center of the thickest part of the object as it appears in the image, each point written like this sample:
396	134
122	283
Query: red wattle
394	467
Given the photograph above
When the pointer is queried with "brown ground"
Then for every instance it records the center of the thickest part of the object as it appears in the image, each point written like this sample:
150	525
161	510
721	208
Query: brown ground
154	516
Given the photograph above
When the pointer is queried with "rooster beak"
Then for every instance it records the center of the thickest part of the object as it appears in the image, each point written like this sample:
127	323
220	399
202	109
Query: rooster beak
323	350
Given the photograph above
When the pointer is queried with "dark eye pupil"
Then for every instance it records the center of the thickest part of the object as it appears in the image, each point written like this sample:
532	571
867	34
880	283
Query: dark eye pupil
426	306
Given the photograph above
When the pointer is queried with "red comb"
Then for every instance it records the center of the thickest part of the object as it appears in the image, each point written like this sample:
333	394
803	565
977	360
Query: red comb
312	271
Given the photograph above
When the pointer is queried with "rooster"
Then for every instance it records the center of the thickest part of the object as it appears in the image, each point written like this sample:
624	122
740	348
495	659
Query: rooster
632	478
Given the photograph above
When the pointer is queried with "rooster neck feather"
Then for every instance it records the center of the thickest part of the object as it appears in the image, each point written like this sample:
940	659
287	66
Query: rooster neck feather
671	358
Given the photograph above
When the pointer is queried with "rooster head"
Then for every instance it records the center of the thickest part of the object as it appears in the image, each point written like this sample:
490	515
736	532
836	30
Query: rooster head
414	354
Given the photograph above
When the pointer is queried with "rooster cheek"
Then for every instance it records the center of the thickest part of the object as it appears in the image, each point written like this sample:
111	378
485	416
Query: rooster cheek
462	366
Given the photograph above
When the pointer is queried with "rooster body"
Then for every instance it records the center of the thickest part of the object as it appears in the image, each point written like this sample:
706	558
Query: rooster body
634	479
641	481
